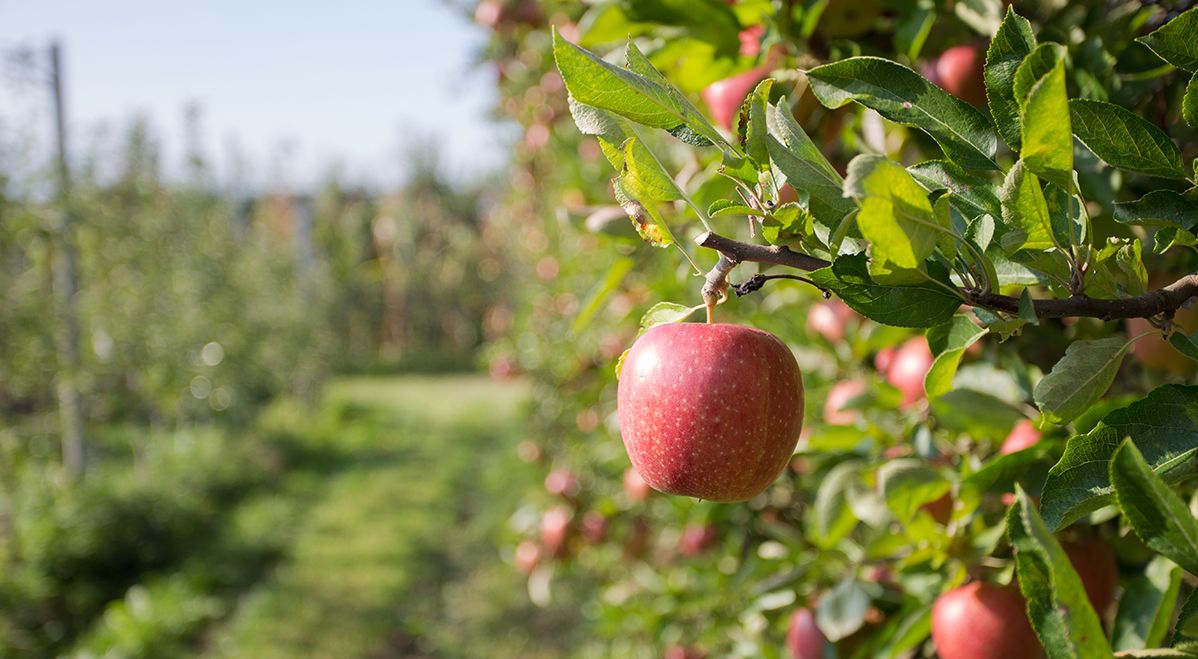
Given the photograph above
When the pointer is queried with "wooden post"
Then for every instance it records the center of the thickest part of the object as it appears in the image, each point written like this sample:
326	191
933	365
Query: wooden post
66	285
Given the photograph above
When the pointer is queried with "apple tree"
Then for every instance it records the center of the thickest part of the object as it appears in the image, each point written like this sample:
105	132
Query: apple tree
974	226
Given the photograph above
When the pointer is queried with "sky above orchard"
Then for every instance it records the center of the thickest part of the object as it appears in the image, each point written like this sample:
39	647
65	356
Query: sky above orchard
298	88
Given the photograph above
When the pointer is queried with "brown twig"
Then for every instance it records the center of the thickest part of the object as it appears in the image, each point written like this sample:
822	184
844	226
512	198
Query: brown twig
1164	301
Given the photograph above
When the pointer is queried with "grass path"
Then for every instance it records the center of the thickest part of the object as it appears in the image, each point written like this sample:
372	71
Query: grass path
397	556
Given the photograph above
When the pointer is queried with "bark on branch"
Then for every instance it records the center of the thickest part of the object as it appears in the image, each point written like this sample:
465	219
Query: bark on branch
1164	301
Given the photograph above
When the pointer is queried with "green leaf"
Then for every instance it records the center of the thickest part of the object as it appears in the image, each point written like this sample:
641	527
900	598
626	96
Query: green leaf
903	96
1027	309
609	130
1189	102
901	306
806	168
787	224
831	518
1002	472
1011	44
645	216
1159	208
1047	149
756	129
593	81
1024	212
1057	604
1171	237
841	611
896	218
908	484
644	177
1174	41
1186	631
1125	140
723	207
974	412
972	196
594	302
1161	519
664	313
1080	378
948	342
1163	426
1146	607
1039	63
1186	345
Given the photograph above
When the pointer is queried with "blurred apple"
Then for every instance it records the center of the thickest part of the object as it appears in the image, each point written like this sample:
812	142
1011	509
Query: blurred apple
804	640
841	393
1022	436
959	72
1095	564
635	487
528	555
1155	352
593	527
910	365
724	97
561	483
696	538
829	319
555	527
750	40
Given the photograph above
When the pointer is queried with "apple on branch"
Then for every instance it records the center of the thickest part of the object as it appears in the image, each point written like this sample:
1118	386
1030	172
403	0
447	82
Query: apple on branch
710	410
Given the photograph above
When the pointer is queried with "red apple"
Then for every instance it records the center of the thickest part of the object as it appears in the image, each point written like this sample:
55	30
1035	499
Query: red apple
696	538
983	621
528	555
593	527
555	527
959	72
561	483
724	97
635	487
910	365
1022	436
1095	564
841	393
710	410
804	640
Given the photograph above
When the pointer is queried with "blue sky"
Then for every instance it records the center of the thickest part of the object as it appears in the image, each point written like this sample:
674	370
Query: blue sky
297	85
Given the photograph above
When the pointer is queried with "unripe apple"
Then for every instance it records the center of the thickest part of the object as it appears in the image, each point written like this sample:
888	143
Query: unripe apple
983	621
910	365
561	483
841	393
1095	564
528	555
1155	352
724	97
804	640
635	487
710	410
696	538
555	527
1022	436
959	72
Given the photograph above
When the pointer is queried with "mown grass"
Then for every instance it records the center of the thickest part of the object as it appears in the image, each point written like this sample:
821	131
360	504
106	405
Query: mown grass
397	554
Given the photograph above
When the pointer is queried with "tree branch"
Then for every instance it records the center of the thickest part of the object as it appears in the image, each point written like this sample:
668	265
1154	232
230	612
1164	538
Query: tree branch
1164	301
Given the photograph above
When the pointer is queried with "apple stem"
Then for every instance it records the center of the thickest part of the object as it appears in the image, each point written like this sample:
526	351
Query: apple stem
715	288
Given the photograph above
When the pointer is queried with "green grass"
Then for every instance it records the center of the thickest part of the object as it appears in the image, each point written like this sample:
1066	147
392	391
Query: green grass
397	553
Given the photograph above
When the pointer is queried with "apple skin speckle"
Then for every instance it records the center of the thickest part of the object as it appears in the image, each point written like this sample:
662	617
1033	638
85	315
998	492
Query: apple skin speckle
711	411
